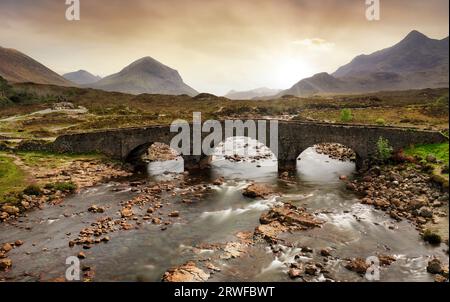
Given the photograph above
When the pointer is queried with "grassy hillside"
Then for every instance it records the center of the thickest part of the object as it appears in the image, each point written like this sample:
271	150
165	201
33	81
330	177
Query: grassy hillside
418	108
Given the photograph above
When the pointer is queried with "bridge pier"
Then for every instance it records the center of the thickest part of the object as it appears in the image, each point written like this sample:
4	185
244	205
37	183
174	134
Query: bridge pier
192	162
287	165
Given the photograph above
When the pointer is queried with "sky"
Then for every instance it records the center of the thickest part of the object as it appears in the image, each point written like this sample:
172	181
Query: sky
216	45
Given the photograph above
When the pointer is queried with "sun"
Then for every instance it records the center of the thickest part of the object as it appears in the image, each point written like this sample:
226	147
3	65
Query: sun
291	70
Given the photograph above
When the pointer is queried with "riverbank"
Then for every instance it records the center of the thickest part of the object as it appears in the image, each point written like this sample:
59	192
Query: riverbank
36	178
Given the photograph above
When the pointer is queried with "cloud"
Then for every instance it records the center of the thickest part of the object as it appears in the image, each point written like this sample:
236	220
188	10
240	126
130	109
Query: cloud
315	44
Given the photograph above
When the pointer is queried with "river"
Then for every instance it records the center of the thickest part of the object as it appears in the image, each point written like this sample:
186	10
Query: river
351	229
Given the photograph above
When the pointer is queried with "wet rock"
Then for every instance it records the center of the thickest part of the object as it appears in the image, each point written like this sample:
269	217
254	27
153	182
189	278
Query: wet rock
296	272
311	269
126	212
81	255
219	181
290	216
233	250
174	214
440	279
386	260
270	232
5	264
426	212
3	216
6	247
188	272
212	267
257	191
156	220
325	252
10	210
357	265
96	209
434	266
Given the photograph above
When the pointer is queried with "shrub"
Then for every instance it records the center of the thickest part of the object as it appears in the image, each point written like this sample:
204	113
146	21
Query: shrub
346	115
32	190
384	149
431	237
62	186
380	122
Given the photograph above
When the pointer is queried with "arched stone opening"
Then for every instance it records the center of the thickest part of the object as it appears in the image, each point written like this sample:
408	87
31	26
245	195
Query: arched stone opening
327	162
156	158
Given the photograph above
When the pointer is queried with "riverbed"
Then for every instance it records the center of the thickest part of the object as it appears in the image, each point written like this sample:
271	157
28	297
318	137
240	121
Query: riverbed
214	217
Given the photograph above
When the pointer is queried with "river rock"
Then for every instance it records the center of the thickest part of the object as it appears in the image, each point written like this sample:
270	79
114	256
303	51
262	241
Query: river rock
96	209
6	247
188	272
296	272
3	216
290	216
257	191
426	212
325	252
5	264
174	214
269	232
386	260
11	210
434	266
357	265
126	212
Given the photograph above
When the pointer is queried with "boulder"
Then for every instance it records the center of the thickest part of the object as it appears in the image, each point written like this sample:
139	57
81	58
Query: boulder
257	191
188	272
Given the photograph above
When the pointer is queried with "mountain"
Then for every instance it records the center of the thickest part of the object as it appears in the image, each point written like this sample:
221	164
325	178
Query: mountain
252	94
416	62
18	67
81	77
145	75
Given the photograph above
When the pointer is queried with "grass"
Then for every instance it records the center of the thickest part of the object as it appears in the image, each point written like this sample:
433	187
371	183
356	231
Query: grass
440	151
12	178
53	160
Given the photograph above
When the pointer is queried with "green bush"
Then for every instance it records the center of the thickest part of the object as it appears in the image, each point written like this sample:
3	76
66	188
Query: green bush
346	115
431	237
32	190
384	149
380	122
62	186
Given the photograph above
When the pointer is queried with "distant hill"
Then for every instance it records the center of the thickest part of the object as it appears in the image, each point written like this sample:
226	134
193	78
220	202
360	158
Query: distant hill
145	75
415	62
252	94
19	68
81	77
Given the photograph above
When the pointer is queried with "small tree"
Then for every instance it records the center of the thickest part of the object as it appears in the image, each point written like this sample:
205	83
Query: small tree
384	149
346	115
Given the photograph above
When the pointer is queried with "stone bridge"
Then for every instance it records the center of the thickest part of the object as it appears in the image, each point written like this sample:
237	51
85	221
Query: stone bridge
293	138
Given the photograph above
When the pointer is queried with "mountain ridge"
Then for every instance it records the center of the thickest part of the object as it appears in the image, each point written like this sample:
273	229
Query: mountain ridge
415	62
145	75
16	66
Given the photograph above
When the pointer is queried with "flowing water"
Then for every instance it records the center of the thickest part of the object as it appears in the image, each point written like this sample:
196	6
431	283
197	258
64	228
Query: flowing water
351	229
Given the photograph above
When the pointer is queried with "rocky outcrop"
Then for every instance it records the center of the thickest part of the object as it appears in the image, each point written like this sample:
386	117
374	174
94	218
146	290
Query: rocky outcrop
187	272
